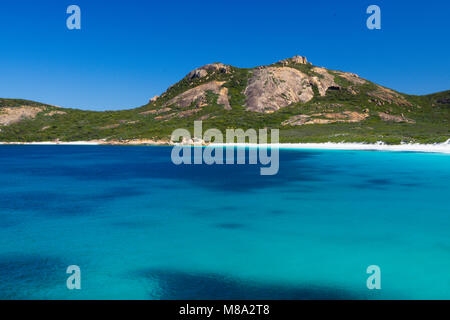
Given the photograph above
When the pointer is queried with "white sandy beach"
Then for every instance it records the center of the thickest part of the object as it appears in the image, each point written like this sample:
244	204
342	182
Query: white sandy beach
435	148
407	147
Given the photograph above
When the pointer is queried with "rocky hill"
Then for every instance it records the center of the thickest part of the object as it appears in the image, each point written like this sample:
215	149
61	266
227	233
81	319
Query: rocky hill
306	102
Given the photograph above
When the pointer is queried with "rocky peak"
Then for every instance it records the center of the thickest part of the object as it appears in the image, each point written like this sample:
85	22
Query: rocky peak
153	99
295	59
212	67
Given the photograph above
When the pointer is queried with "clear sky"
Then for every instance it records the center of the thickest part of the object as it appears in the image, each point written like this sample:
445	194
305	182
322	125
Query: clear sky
128	51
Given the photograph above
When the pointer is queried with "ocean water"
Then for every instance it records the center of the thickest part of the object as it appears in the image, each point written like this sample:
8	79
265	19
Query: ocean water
140	227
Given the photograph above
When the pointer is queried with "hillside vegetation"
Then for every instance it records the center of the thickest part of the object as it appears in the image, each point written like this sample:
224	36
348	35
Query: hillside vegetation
307	104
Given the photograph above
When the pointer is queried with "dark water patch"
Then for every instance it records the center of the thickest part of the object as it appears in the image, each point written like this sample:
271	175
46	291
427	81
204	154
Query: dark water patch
105	164
278	212
376	184
380	182
368	239
131	224
168	186
443	246
228	208
174	285
240	178
209	209
115	193
6	221
44	202
299	189
21	274
29	200
296	198
232	226
412	185
62	203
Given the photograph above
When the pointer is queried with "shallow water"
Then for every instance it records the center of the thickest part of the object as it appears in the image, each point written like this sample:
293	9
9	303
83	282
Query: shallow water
140	227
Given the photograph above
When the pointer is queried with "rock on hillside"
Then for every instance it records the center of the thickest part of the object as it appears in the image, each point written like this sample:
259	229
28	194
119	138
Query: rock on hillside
272	88
10	115
296	59
209	68
197	95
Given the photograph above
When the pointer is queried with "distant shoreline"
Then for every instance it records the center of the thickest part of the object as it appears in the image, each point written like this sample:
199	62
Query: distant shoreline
433	148
429	148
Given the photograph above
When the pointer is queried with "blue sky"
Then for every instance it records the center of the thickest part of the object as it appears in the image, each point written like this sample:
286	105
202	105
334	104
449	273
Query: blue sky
128	51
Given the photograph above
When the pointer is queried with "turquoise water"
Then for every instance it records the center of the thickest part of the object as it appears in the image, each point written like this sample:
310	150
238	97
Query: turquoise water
140	227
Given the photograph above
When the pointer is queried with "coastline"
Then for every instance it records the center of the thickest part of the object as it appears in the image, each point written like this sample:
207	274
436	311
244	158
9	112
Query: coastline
407	147
425	148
